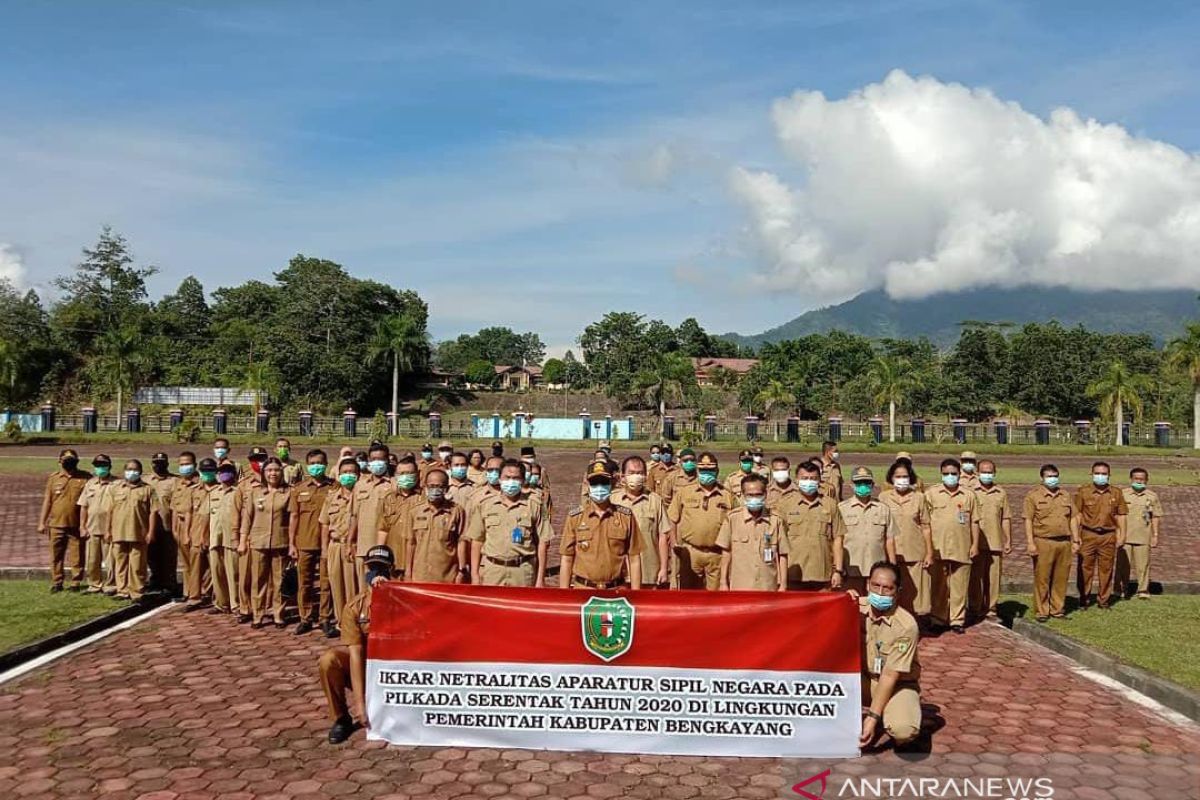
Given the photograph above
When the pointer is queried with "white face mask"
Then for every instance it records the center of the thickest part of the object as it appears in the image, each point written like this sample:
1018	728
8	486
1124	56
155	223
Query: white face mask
780	475
835	455
635	480
903	484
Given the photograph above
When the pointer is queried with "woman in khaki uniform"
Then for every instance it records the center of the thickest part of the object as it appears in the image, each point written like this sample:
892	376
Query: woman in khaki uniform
224	506
266	537
914	539
339	526
133	511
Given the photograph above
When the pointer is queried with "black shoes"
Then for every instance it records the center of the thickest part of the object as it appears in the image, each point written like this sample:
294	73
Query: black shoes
342	730
304	627
331	631
56	588
957	629
244	618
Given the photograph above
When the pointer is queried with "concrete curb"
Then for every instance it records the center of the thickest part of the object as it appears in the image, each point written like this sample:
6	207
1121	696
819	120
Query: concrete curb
1168	693
1156	587
20	655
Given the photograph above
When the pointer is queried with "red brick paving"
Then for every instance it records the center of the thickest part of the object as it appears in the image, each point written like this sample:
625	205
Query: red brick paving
193	706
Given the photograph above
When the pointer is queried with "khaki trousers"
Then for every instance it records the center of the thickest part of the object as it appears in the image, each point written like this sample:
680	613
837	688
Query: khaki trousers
950	584
245	578
1133	561
130	566
267	583
198	578
310	569
66	548
1097	555
223	572
699	569
100	573
491	574
985	582
186	567
343	577
902	714
914	587
334	668
1051	568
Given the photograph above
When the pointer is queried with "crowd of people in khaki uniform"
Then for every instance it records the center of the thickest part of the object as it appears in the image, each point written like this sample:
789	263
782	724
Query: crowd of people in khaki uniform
917	557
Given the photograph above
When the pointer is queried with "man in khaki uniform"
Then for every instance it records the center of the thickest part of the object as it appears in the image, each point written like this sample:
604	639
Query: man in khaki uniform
995	523
754	545
392	530
870	531
198	534
891	680
60	517
304	542
684	477
225	511
814	528
435	530
339	532
426	463
760	465
489	489
653	465
343	670
733	482
697	512
663	472
249	481
369	495
134	515
508	533
968	478
162	554
914	539
780	486
831	470
93	525
293	471
1100	515
954	523
179	504
1050	539
1142	528
653	523
601	544
460	488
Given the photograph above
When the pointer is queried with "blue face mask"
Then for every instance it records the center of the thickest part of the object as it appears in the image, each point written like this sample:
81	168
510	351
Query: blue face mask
756	503
599	492
1051	481
666	458
987	478
511	487
377	467
655	457
535	481
880	602
458	473
427	455
362	466
1100	480
133	475
493	476
220	452
707	477
810	486
187	470
950	481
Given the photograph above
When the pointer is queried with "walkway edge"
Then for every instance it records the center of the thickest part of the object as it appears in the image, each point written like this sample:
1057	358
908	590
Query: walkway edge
1172	695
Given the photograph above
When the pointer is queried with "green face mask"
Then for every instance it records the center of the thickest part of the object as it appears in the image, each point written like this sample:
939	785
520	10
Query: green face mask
688	466
862	490
1138	486
102	472
208	476
746	465
282	452
406	481
707	477
316	470
348	479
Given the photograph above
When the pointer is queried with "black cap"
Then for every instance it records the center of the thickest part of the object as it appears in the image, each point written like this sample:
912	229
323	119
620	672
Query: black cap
208	465
527	450
667	448
68	453
102	461
257	453
380	554
159	458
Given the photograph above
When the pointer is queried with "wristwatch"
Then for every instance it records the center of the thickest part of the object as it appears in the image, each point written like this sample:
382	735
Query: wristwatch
877	717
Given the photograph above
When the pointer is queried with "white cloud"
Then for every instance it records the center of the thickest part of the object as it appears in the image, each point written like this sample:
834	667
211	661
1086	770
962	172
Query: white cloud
12	266
921	186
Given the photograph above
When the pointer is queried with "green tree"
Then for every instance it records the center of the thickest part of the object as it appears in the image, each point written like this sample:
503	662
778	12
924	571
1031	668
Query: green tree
122	361
1117	389
1183	357
264	378
481	373
575	373
889	379
10	369
668	381
774	395
554	372
400	339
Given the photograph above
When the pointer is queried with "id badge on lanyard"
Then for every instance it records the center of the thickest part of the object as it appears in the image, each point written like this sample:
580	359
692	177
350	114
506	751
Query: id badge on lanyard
768	552
962	516
518	535
877	664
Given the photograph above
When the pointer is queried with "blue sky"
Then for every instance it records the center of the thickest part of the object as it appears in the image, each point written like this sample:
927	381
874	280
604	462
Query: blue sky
526	164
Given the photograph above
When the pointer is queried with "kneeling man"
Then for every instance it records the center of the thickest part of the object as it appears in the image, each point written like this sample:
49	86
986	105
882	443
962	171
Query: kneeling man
891	693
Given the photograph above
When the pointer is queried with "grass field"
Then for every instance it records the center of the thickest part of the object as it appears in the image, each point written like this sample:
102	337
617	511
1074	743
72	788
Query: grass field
28	612
1158	635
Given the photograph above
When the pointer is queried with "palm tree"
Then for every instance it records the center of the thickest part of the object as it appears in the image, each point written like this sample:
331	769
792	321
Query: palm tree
889	379
122	358
10	367
1117	389
669	380
1183	356
264	379
403	339
773	395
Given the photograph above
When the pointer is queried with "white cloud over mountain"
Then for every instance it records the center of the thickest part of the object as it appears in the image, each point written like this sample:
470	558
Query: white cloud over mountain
921	186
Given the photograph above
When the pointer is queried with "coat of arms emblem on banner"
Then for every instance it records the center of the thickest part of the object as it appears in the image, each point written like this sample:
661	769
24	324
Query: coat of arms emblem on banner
607	626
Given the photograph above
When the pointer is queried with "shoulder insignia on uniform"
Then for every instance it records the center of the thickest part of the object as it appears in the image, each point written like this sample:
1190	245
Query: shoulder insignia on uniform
575	512
623	510
902	645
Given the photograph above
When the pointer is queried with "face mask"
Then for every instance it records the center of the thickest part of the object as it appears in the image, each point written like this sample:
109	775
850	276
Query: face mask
635	481
427	455
688	466
902	484
435	493
835	455
458	473
707	477
1137	485
655	457
220	452
755	503
493	476
256	466
377	467
133	475
880	602
950	481
1051	481
666	458
808	485
208	477
987	478
283	453
781	476
348	479
445	455
187	470
1100	480
968	467
102	472
70	463
758	459
511	487
316	470
746	465
406	481
226	477
862	490
527	461
377	571
535	481
599	492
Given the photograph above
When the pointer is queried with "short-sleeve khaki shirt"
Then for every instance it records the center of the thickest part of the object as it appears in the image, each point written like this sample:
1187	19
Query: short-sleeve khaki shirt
1048	513
224	512
496	521
811	525
992	506
393	522
338	514
267	517
1144	507
1099	508
369	495
868	527
890	643
651	514
63	489
433	534
130	507
750	538
951	515
699	513
305	504
92	499
910	512
599	540
356	619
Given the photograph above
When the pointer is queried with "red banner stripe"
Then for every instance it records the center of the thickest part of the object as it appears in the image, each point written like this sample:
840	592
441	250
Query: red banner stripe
787	631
